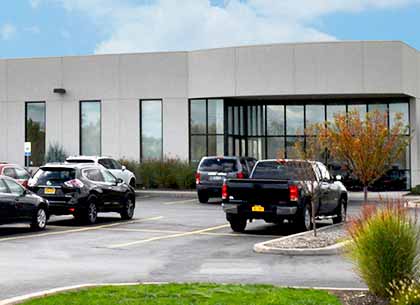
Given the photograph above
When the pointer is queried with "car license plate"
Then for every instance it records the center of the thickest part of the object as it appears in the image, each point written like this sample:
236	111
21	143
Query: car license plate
49	191
258	208
215	178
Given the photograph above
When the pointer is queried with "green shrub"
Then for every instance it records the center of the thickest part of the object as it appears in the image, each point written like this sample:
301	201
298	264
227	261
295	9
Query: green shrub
415	190
55	153
406	292
163	174
385	244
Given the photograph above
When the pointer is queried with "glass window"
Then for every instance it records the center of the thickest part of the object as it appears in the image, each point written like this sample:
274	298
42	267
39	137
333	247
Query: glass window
230	120
216	145
55	176
256	148
219	165
275	120
21	173
115	164
360	108
378	107
151	129
90	131
108	177
333	110
401	108
275	148
198	148
35	131
216	119
3	187
315	114
198	116
294	120
93	174
14	187
10	172
290	147
105	163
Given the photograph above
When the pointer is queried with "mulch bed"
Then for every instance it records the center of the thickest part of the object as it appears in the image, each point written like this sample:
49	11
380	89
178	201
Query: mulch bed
359	298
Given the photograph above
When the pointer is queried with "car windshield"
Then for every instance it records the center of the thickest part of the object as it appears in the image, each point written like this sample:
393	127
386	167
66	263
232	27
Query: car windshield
79	161
54	176
218	165
278	170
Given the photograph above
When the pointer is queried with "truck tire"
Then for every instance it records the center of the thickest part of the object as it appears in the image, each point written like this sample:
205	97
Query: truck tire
237	224
203	197
341	211
304	219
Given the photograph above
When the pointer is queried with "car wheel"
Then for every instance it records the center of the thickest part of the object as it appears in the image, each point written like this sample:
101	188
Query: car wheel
237	224
128	211
39	220
341	212
91	213
304	221
203	197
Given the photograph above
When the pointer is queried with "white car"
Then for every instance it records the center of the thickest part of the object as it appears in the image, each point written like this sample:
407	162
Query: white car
118	170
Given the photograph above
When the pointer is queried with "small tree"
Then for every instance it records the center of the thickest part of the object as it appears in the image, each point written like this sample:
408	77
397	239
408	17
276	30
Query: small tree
366	145
55	153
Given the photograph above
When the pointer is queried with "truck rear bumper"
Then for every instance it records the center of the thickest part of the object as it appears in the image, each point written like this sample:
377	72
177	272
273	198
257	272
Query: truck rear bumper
280	211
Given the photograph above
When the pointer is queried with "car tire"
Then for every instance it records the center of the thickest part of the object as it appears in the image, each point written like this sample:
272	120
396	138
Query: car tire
90	215
237	224
341	212
39	219
127	212
304	220
203	197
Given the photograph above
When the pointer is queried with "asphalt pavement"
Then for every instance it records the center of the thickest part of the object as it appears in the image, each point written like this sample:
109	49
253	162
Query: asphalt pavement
169	240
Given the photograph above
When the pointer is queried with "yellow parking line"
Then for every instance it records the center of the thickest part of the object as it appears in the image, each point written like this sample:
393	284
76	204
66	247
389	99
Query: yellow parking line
167	237
79	230
180	201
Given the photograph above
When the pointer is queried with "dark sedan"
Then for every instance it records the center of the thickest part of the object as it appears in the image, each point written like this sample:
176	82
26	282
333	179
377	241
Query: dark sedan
20	205
83	190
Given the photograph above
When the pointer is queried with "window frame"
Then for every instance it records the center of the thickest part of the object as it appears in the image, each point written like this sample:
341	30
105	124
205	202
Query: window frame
28	103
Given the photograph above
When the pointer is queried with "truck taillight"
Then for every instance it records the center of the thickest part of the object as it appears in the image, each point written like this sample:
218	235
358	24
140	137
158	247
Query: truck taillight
293	193
225	193
240	175
197	178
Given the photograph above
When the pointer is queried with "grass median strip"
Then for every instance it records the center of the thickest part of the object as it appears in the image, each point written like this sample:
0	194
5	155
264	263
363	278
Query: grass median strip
143	241
183	294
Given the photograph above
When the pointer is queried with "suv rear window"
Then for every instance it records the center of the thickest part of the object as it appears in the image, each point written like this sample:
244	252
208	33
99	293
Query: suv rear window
80	161
55	176
283	171
218	165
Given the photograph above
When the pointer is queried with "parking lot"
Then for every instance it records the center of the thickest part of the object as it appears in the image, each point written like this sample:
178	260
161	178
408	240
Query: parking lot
169	239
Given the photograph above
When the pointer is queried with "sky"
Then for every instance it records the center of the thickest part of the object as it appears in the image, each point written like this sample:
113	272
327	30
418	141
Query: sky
38	28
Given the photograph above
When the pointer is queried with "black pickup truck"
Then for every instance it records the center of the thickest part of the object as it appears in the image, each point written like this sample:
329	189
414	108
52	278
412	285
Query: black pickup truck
276	190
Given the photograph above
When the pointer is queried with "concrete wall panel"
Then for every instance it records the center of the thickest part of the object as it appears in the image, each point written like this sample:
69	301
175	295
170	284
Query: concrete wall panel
175	128
151	75
110	127
3	80
268	69
15	136
54	122
33	79
129	129
3	131
70	129
91	77
212	73
409	70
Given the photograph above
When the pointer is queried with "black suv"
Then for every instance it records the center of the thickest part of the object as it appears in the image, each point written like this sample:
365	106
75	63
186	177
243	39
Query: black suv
83	190
212	171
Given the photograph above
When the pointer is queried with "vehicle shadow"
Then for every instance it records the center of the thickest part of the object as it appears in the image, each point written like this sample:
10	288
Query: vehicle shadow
283	229
72	222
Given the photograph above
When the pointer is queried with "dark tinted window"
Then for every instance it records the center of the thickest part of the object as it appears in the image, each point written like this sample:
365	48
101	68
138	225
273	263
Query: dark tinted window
54	176
251	163
3	187
80	161
283	171
10	172
14	187
106	163
93	174
108	177
218	165
115	164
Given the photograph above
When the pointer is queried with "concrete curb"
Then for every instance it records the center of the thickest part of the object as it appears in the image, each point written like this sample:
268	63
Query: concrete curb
45	293
173	194
330	250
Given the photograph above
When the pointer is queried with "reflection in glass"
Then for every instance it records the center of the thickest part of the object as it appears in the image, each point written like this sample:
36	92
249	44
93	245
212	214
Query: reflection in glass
35	131
215	113
151	129
315	114
198	116
401	108
275	120
90	133
256	148
198	148
378	107
359	108
290	147
333	110
216	146
294	120
275	148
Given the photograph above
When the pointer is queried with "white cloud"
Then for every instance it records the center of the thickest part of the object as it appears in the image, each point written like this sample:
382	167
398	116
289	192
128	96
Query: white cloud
7	31
159	25
33	29
34	3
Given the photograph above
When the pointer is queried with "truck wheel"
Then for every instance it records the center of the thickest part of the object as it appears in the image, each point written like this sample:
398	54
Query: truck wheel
237	224
203	197
341	212
304	220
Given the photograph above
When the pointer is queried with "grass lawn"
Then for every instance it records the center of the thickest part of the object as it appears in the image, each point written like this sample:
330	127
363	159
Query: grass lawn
183	294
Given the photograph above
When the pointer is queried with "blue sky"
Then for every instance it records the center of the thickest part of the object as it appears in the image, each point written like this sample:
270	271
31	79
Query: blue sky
32	28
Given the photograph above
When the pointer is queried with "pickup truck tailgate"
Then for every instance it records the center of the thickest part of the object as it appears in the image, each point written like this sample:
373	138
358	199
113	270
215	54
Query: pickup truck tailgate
258	191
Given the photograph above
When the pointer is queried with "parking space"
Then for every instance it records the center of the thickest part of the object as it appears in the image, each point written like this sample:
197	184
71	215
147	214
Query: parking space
169	239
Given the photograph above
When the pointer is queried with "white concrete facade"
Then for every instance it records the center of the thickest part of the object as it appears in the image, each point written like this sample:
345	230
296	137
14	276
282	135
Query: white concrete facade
314	70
